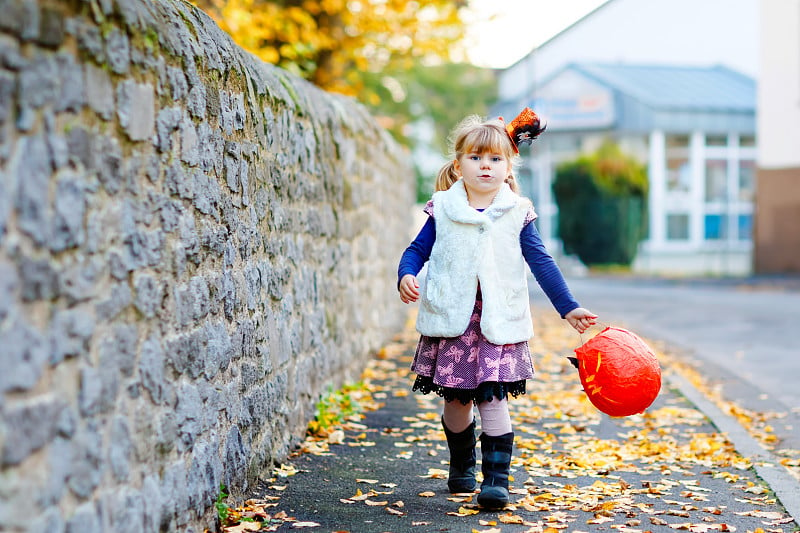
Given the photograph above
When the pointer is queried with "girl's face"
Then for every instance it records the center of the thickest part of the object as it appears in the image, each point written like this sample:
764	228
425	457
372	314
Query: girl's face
483	173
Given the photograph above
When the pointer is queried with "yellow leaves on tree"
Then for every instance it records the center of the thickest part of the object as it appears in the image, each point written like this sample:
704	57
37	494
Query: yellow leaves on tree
333	43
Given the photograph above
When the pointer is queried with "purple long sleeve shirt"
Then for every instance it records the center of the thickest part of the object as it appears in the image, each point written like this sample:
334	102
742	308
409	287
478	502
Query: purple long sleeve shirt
541	263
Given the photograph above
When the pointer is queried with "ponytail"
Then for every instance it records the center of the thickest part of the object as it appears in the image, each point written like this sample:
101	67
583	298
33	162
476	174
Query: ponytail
446	177
512	182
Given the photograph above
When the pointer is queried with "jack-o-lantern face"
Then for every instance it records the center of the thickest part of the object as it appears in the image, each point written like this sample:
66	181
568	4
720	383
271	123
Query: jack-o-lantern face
619	372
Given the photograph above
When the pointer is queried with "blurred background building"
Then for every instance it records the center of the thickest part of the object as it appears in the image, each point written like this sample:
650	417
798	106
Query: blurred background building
673	82
777	228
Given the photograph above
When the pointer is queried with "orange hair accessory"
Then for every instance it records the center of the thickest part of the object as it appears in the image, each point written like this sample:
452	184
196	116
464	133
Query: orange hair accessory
524	128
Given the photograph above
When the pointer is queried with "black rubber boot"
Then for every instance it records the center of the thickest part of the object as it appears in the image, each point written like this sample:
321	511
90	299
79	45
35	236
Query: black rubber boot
462	459
496	464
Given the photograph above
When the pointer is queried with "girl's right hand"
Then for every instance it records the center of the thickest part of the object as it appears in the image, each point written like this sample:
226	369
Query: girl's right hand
409	289
581	319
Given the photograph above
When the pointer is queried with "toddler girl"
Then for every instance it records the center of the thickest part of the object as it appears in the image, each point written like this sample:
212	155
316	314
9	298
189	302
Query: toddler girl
474	314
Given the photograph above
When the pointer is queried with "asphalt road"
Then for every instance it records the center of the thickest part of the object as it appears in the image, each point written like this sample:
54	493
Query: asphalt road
745	334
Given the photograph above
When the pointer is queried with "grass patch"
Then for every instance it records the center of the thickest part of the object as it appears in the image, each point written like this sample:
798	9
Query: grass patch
335	407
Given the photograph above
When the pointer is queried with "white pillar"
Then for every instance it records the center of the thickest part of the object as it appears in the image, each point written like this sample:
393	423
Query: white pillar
697	188
732	197
657	166
547	207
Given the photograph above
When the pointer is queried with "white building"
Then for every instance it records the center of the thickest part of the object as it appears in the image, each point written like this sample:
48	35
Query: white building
672	81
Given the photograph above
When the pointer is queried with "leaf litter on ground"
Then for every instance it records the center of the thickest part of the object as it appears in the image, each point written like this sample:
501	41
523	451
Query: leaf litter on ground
574	469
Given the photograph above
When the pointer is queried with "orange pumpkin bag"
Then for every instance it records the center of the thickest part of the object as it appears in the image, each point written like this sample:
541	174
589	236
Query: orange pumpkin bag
619	372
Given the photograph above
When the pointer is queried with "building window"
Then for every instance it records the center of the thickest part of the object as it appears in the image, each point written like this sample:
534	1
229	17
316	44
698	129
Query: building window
716	227
565	143
747	179
717	140
716	180
747	141
528	183
677	142
679	176
745	227
677	227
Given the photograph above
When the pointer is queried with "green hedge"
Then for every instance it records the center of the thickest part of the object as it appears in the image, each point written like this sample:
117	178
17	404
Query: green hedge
602	206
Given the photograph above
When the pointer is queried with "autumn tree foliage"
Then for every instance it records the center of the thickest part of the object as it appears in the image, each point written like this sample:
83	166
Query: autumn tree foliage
336	44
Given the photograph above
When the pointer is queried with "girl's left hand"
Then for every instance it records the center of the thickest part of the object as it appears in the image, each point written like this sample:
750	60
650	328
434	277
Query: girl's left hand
581	319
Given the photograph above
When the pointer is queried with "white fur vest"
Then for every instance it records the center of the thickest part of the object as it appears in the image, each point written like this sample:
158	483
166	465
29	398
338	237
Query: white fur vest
474	247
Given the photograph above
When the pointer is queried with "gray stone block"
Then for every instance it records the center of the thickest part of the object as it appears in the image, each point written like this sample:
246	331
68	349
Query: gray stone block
50	521
24	351
30	172
204	476
136	15
120	449
232	111
79	147
190	146
211	144
117	350
108	163
69	334
10	287
151	498
123	510
51	28
188	236
58	470
78	281
71	96
185	353
69	209
85	519
174	491
89	38
86	461
118	51
188	415
170	212
167	121
148	294
30	426
178	181
177	83
99	91
167	432
21	17
214	238
196	101
136	109
90	392
151	368
219	350
7	87
236	454
207	194
39	279
117	301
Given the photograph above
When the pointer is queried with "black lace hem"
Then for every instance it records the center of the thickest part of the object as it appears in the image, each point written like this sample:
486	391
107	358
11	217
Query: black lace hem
485	391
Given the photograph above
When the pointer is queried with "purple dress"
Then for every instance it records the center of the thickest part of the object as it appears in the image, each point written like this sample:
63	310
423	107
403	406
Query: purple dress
469	368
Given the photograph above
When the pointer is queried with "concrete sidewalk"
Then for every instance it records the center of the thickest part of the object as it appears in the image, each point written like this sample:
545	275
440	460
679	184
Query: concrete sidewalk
674	468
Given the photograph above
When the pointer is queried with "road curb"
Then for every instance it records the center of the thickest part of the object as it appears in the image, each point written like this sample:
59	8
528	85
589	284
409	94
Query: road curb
767	465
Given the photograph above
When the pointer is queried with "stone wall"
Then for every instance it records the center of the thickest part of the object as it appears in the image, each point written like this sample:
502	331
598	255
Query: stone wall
193	247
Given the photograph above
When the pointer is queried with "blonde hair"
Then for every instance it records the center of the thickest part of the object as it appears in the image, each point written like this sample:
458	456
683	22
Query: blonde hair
475	135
